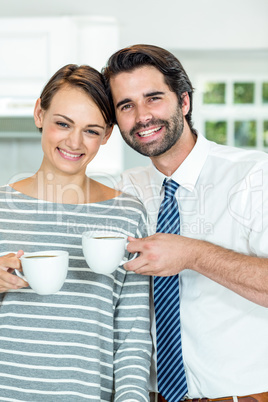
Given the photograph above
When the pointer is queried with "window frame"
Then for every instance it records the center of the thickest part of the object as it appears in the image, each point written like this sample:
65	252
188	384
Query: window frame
230	111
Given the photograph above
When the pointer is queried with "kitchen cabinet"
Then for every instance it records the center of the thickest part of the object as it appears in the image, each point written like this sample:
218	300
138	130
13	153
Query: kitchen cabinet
31	50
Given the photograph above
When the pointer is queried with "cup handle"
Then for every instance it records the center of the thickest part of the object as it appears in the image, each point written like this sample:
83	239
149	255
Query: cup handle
124	261
131	259
18	273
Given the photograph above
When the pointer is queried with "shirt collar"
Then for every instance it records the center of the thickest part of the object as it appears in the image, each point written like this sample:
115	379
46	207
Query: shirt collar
188	172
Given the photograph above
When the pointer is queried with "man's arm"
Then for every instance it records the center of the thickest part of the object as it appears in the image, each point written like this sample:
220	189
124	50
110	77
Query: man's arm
169	254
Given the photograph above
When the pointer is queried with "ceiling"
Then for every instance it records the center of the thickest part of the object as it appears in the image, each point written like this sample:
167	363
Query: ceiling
169	23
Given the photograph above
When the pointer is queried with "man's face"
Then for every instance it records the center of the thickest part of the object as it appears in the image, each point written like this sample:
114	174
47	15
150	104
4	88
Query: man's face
147	112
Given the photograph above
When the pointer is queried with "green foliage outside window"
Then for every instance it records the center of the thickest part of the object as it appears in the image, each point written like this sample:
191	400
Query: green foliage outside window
244	92
265	133
216	131
265	92
245	133
249	96
214	93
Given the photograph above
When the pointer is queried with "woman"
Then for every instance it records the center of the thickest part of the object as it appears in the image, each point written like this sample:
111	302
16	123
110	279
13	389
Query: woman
91	339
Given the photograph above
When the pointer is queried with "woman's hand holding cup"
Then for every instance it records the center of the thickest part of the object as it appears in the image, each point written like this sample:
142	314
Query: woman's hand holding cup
8	263
45	271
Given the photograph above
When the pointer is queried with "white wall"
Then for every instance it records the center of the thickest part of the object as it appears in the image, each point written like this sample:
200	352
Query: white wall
204	34
177	24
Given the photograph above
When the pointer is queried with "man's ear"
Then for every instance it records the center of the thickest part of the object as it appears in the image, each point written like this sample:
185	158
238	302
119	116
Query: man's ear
107	134
185	103
38	114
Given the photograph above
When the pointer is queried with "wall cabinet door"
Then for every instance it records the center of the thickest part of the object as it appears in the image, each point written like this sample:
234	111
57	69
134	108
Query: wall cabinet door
31	50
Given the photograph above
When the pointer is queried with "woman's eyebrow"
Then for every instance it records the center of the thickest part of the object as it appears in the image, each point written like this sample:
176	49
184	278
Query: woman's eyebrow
65	117
71	121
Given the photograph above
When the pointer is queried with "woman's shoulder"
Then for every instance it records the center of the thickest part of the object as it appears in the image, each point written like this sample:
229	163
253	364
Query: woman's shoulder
117	198
5	190
100	192
132	203
120	200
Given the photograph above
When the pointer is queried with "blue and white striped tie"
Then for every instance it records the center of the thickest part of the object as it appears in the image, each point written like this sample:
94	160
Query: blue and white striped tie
170	370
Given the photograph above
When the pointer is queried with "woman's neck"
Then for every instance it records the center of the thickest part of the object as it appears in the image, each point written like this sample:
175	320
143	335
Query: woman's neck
64	190
59	189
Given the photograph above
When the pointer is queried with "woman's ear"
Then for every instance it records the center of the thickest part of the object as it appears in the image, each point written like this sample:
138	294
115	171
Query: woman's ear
107	134
38	114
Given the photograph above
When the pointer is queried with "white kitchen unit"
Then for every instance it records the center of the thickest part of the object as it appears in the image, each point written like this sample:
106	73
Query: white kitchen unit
31	50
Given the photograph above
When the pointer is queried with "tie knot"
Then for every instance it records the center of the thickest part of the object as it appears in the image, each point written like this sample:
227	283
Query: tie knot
170	187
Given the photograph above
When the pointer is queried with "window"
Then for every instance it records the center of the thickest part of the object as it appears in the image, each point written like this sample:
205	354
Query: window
234	110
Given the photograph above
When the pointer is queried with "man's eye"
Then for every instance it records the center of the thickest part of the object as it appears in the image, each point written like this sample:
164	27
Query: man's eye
125	107
62	124
154	98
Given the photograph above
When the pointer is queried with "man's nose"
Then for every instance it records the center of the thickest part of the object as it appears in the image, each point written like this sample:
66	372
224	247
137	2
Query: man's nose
143	114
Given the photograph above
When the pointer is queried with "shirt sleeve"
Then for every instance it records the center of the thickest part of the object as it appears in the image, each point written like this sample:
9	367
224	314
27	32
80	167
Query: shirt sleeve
257	210
133	344
127	186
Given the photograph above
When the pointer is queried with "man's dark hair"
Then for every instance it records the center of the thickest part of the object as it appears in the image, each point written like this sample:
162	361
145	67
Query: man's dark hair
133	57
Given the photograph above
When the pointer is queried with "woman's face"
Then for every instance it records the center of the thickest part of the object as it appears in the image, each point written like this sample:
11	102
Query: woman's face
73	129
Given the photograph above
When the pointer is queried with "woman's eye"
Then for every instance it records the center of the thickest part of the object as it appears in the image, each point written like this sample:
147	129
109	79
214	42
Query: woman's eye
62	124
92	132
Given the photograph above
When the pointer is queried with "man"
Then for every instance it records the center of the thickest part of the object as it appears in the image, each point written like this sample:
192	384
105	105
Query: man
221	252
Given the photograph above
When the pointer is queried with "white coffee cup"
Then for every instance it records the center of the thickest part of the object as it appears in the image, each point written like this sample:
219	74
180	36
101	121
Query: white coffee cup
104	251
45	271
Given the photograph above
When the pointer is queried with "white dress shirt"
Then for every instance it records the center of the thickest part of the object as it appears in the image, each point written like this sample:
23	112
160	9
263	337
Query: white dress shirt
223	199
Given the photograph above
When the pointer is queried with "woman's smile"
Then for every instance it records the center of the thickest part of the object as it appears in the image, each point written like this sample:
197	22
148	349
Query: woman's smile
70	155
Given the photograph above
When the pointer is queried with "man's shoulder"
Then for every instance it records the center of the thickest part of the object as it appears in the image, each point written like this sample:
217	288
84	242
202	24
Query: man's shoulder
134	180
140	174
238	154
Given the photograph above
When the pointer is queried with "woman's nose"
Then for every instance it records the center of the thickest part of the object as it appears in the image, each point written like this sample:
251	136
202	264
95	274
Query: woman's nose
74	139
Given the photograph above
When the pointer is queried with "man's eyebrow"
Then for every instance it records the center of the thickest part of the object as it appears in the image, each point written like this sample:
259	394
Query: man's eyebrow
122	102
146	95
154	93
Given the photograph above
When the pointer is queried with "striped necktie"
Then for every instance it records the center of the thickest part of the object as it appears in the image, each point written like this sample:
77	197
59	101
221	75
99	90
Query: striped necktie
170	370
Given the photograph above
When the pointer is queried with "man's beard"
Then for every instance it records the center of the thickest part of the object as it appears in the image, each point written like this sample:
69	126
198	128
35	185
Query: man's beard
174	128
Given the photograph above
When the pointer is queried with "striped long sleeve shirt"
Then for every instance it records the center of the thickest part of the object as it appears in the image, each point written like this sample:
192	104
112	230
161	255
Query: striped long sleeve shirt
89	341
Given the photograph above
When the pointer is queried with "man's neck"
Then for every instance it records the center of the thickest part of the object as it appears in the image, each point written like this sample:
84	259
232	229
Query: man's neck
169	162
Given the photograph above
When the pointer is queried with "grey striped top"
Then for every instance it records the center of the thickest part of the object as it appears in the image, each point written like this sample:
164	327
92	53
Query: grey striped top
89	341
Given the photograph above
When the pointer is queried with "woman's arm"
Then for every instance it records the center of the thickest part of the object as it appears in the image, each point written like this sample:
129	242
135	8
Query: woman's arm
132	338
133	343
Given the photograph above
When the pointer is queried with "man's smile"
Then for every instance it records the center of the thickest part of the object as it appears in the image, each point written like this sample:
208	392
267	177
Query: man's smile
147	133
